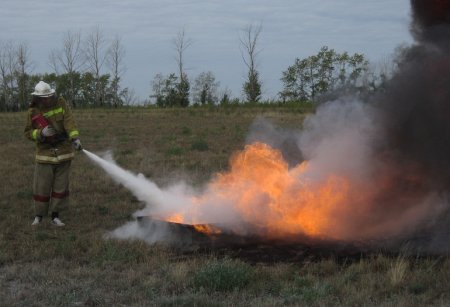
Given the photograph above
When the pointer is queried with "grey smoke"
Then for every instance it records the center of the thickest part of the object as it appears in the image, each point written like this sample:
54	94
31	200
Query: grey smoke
395	148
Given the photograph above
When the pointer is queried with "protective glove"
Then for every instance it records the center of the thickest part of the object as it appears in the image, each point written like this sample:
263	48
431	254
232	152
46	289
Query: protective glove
77	144
48	131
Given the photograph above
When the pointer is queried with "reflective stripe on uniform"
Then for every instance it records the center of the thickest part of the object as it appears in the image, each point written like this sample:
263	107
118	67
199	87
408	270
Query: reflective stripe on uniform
55	159
34	134
53	112
74	133
60	195
41	198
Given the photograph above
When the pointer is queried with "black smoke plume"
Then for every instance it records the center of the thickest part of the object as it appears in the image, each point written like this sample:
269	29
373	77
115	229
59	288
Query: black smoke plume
417	101
430	20
415	110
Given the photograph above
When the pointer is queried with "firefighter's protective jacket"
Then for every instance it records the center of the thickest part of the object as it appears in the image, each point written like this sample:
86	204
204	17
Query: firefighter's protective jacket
60	117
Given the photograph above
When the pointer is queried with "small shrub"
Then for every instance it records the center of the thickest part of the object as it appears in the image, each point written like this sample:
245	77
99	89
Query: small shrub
305	288
103	210
42	236
351	274
302	282
223	275
4	258
417	287
186	131
25	194
64	247
312	294
111	251
326	267
175	151
200	145
126	152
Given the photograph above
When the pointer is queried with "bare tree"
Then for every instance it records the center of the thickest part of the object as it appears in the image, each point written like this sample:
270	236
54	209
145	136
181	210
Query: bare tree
8	67
4	101
69	61
181	43
95	58
23	65
70	58
115	56
249	51
158	87
129	97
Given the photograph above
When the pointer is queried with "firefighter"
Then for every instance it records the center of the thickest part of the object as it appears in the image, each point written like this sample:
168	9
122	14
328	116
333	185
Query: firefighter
50	124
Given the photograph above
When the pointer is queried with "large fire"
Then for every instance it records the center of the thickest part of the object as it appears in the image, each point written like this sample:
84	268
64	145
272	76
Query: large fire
272	198
267	198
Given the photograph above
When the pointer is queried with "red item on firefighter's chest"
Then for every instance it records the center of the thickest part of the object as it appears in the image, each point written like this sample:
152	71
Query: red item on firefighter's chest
39	121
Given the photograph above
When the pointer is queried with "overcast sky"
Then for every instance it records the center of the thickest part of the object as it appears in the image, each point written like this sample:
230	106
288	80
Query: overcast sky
290	29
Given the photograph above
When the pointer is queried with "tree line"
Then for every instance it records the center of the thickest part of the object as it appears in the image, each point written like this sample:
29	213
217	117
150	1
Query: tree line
78	74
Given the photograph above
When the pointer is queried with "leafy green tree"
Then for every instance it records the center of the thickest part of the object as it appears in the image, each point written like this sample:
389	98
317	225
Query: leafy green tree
183	87
68	85
320	73
87	96
165	90
252	87
225	97
169	91
295	81
205	88
323	70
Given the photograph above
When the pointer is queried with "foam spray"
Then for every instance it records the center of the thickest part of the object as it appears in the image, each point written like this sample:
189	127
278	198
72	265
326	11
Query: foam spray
146	191
142	188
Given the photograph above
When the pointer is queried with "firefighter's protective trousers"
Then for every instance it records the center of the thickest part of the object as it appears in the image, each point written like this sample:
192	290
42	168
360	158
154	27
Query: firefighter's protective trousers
51	187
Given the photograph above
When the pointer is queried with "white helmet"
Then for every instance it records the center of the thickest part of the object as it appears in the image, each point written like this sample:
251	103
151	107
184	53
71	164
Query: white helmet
43	89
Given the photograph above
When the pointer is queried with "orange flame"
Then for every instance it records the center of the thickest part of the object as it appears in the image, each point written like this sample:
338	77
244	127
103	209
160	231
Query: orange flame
207	229
269	196
204	228
176	218
282	201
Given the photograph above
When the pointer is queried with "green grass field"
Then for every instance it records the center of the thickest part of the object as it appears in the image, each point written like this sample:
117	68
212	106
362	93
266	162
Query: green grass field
77	266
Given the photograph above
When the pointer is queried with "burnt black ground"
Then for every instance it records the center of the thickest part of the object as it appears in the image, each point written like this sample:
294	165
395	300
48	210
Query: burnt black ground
426	241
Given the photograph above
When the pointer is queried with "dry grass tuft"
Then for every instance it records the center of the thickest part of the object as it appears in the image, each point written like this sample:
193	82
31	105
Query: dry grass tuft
398	271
